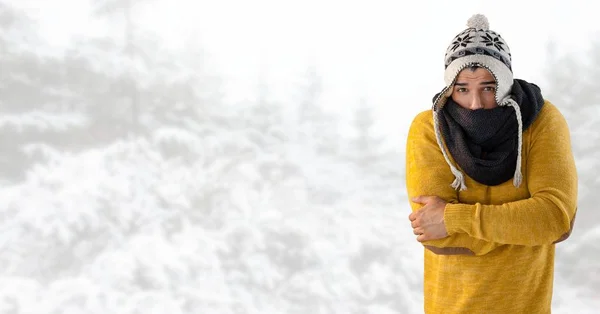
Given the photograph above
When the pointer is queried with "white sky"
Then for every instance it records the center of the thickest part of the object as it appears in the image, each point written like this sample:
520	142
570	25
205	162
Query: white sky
392	53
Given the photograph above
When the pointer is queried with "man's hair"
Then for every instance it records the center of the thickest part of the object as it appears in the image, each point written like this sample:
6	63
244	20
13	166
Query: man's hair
474	67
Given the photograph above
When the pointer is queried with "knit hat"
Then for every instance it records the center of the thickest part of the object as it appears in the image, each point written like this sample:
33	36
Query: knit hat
478	45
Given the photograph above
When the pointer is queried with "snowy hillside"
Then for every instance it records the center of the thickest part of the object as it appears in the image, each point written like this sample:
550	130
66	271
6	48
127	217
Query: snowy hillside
123	229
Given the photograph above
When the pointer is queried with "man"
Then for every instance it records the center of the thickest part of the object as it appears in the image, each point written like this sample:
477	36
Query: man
492	183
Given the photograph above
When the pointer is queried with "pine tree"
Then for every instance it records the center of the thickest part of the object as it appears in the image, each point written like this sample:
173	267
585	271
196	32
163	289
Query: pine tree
132	54
570	85
366	146
316	127
35	118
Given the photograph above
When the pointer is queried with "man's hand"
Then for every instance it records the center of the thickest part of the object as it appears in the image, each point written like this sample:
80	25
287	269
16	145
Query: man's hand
428	222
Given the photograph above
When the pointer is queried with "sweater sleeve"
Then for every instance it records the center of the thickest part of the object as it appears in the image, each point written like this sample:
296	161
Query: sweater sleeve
427	173
547	215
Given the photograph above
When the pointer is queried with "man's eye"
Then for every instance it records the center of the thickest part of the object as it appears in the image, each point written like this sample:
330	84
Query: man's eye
490	88
461	90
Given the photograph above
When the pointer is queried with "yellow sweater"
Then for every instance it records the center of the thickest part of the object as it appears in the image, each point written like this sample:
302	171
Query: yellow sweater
499	253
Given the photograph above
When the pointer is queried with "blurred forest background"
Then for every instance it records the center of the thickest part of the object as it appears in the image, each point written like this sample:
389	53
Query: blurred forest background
129	184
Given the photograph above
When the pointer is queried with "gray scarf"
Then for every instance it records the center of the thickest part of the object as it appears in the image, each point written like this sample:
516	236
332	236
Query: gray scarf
484	143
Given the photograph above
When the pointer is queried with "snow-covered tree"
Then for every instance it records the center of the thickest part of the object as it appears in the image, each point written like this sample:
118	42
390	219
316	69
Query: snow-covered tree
365	146
34	104
132	53
316	126
570	84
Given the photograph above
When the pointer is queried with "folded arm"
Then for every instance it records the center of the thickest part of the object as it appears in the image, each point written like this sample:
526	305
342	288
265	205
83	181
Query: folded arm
427	173
544	218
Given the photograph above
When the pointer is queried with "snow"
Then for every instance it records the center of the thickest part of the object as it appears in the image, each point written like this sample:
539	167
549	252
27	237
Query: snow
43	121
122	199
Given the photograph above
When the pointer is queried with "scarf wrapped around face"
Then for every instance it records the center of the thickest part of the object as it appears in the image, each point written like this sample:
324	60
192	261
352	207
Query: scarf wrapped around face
484	142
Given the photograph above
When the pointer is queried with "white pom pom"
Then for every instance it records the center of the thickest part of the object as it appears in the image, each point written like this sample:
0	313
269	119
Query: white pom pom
478	21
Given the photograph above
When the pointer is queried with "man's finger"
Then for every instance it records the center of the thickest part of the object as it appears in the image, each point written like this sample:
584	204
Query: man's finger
422	238
417	199
422	199
417	231
414	224
412	216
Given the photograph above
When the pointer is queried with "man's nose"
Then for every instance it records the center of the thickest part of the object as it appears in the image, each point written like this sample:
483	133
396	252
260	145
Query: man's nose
476	102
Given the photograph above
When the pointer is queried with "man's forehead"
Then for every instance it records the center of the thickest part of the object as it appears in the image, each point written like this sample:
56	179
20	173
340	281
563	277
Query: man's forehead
479	75
464	83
